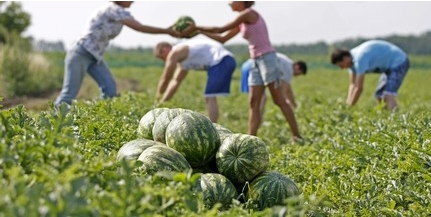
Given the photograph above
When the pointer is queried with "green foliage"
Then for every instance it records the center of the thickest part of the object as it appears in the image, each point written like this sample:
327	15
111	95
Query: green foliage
25	73
358	161
14	18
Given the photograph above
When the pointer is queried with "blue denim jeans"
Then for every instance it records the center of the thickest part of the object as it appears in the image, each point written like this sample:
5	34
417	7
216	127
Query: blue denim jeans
78	61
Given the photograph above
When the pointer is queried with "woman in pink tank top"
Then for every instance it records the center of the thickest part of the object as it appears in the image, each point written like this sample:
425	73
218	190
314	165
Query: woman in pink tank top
265	71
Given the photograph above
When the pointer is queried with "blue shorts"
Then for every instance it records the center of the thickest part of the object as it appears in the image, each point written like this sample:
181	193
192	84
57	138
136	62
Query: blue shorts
391	80
265	70
220	77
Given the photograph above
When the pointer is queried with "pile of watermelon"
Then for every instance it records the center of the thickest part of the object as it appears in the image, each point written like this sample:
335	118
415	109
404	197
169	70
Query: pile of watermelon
233	166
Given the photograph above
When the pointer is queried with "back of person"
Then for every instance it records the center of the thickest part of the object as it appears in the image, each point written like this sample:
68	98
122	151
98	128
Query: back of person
376	56
257	36
202	54
286	65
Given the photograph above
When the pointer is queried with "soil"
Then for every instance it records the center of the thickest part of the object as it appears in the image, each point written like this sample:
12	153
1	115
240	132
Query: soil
42	101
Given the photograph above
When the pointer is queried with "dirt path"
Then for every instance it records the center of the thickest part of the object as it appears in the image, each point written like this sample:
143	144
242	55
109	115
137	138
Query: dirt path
89	90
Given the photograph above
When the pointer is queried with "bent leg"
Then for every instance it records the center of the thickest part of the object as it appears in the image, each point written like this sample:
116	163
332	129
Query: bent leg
255	99
103	77
395	78
212	107
280	100
76	65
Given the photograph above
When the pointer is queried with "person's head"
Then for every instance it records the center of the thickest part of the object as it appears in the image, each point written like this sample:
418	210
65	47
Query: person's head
162	50
124	4
240	5
342	58
299	68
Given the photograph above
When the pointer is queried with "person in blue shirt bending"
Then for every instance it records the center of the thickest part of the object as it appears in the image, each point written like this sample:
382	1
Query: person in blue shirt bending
374	56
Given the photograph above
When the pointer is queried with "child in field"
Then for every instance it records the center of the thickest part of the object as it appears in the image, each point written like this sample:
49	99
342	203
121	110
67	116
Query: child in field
374	56
86	54
196	54
290	69
264	72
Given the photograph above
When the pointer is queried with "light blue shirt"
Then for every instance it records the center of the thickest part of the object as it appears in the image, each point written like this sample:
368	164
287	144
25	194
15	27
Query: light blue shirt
376	56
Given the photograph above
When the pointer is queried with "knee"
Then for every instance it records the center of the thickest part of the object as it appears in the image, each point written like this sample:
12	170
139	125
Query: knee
278	102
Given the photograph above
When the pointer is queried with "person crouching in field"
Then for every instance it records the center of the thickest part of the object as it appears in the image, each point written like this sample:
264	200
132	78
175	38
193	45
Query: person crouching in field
289	68
86	55
196	54
376	56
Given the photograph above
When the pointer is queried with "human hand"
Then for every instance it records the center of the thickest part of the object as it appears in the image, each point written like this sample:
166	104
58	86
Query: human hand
173	33
189	31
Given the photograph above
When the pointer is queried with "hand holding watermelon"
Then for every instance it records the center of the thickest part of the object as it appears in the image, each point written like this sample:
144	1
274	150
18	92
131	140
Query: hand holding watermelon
186	26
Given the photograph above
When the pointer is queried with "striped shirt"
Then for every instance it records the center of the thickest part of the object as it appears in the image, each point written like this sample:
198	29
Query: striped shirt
257	36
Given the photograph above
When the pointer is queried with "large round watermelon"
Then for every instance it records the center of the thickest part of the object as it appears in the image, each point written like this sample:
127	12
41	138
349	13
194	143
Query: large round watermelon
145	128
132	149
217	189
223	132
270	189
162	122
242	157
162	158
193	135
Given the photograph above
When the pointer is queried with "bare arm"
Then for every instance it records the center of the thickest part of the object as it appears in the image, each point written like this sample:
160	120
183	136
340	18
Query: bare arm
134	24
289	94
222	38
179	76
243	17
172	60
355	88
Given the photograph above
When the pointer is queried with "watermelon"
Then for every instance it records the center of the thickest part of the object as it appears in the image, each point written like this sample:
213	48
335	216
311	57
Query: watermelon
194	136
223	132
270	189
132	149
242	157
145	128
162	121
162	158
216	188
182	23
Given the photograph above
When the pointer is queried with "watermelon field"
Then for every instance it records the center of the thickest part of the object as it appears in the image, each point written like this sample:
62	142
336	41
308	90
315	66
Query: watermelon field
354	161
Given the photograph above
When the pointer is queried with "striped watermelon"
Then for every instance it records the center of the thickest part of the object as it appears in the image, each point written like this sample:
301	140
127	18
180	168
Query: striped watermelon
216	188
132	149
145	128
193	135
270	189
182	23
223	132
162	158
242	157
163	120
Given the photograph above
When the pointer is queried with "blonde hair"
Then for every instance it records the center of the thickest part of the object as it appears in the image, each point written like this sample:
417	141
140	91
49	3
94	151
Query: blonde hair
158	48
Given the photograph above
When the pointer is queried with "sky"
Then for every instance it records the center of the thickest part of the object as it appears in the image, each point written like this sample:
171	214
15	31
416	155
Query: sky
288	22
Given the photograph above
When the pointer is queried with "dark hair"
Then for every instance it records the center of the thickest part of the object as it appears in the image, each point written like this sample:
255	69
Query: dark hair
248	4
338	55
302	66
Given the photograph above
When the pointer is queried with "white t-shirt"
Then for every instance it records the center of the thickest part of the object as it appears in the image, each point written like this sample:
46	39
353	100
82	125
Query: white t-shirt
202	54
286	65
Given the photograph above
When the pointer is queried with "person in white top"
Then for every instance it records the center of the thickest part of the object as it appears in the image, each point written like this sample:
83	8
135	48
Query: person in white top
196	54
86	55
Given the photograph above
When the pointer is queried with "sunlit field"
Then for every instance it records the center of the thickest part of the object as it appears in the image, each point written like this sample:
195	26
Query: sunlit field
354	161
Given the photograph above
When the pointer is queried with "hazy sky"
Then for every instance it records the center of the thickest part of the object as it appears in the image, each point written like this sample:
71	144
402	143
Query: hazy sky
288	21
